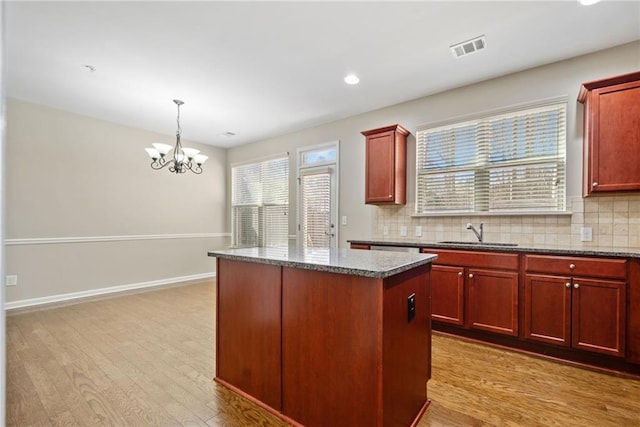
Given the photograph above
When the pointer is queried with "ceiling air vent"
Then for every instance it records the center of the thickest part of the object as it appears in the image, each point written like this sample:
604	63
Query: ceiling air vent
469	46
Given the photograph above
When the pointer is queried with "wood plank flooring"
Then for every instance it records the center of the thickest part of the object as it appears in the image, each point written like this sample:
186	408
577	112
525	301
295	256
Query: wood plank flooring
147	359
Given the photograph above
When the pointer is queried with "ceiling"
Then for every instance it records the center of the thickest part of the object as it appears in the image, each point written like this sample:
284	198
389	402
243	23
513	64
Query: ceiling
262	69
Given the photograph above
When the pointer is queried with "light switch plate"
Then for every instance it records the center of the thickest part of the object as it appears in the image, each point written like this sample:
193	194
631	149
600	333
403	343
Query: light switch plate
403	230
344	220
385	230
418	231
11	280
586	234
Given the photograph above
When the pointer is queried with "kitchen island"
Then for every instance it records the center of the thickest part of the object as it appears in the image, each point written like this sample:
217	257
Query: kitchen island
326	337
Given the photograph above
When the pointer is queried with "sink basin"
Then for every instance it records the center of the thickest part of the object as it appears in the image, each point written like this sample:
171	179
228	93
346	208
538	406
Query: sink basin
452	242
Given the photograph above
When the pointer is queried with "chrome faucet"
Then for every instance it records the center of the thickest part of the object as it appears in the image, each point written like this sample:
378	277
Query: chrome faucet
475	231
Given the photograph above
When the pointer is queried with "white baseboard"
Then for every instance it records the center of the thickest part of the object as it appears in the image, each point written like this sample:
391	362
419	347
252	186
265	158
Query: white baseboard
33	302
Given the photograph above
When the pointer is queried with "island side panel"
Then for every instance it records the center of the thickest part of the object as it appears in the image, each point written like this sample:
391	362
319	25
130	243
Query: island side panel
407	346
248	332
332	348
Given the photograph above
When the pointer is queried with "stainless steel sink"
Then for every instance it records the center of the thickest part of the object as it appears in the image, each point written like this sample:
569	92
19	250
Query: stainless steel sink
453	242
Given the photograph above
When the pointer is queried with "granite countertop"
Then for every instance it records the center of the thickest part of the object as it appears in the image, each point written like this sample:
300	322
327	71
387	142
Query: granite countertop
600	251
375	264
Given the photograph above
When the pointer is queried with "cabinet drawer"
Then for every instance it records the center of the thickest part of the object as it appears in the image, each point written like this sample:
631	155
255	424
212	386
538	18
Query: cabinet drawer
576	266
475	259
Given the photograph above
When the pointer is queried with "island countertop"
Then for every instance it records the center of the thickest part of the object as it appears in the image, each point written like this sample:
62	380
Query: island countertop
375	264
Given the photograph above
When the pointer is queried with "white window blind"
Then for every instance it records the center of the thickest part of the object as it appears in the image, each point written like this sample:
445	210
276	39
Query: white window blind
316	208
511	162
260	203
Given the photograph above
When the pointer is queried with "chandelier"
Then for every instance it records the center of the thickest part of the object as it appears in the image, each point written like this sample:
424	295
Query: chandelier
182	160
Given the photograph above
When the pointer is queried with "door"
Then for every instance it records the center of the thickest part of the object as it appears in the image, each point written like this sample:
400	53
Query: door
599	316
547	309
317	197
493	301
447	294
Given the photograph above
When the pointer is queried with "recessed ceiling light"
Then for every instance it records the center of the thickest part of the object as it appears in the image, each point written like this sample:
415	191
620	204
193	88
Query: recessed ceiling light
351	79
588	2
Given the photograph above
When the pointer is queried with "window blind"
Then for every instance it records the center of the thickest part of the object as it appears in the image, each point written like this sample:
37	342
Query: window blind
316	209
260	203
511	162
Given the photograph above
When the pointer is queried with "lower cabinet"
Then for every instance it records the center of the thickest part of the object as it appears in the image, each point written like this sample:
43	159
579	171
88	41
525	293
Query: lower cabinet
587	313
584	309
448	295
477	290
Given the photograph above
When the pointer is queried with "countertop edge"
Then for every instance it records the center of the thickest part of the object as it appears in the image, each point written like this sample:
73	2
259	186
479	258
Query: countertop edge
599	252
375	274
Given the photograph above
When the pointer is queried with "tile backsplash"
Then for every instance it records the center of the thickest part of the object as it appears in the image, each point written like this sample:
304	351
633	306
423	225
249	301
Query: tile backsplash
614	220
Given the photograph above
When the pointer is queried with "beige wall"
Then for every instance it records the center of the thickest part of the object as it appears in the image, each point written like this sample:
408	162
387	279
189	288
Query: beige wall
75	177
558	79
70	176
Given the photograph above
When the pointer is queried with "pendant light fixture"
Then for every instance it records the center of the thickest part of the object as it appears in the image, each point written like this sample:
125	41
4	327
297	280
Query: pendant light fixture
182	160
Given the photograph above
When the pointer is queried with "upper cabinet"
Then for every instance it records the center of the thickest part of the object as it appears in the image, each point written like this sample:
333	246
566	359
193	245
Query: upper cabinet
386	166
611	134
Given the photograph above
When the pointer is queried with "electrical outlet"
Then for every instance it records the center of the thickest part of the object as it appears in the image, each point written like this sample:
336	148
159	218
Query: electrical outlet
344	220
418	231
11	280
586	234
385	230
403	230
411	307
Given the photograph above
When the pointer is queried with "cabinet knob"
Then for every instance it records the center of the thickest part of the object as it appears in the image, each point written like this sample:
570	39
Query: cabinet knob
572	266
470	276
595	184
576	286
568	285
459	273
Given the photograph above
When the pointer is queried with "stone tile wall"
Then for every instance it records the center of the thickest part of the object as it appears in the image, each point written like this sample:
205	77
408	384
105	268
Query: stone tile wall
615	222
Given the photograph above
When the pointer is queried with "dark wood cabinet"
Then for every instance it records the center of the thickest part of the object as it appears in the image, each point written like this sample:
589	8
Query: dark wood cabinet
476	290
611	134
386	165
564	306
360	246
493	301
447	298
319	348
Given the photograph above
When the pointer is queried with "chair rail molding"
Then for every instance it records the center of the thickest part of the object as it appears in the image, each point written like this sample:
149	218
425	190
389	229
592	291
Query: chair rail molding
93	239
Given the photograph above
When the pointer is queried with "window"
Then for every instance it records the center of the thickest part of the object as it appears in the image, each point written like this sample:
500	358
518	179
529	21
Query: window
512	162
260	203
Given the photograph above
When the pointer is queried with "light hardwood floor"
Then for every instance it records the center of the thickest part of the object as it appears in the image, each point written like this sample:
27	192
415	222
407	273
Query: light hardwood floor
147	359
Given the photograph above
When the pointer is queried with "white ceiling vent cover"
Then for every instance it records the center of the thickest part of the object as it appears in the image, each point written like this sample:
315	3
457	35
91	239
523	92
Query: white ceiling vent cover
468	47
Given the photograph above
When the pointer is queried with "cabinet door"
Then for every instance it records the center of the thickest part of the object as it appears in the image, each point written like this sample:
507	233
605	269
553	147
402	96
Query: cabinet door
599	316
447	294
380	168
614	138
547	309
493	301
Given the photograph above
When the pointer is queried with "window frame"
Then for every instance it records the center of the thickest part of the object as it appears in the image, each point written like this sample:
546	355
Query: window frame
262	207
483	167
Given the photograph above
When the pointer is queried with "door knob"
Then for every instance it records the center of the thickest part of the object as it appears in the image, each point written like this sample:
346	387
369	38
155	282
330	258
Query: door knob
576	286
568	285
470	276
595	184
572	266
460	274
